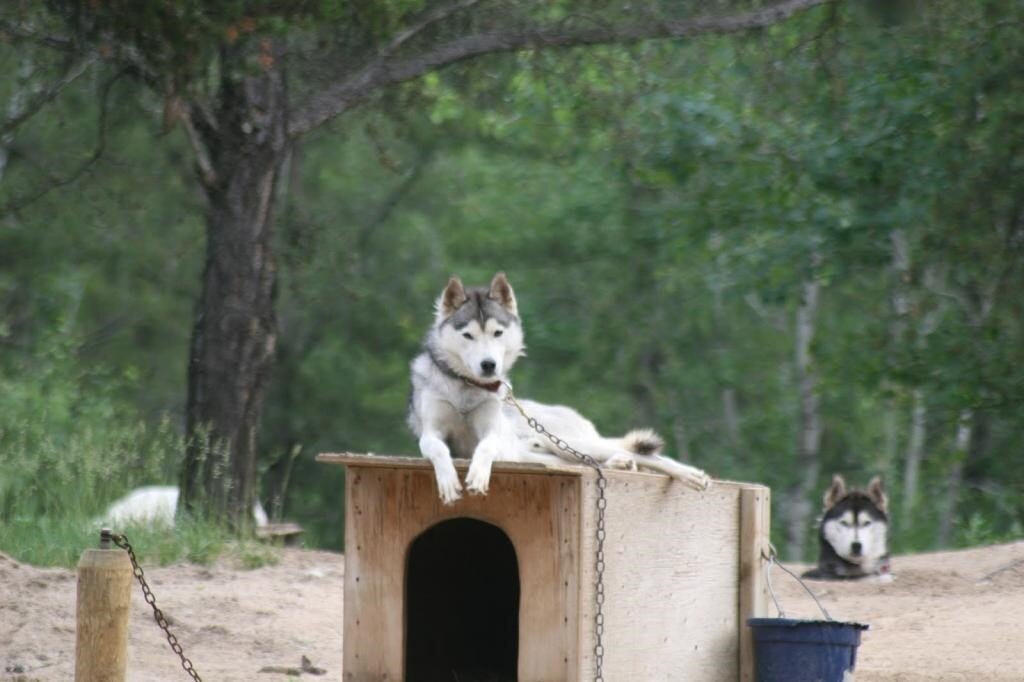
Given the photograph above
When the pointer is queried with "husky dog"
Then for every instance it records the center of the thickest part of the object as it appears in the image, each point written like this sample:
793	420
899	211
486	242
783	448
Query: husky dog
853	533
457	405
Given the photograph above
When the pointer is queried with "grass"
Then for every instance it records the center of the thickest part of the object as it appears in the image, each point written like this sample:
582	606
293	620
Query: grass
50	541
70	446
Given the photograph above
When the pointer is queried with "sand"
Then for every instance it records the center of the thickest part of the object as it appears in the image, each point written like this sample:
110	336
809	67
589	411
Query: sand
946	616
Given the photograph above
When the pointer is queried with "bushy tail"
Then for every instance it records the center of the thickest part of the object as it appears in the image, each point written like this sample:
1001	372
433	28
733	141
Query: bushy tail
643	442
648	445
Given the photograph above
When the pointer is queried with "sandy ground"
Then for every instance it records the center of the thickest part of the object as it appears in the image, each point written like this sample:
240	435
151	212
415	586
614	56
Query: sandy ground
947	616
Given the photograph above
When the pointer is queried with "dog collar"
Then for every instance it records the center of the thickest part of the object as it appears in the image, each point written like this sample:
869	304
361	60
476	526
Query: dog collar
491	386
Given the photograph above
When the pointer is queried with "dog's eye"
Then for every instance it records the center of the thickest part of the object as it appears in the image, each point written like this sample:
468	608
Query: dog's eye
844	524
866	524
468	335
497	333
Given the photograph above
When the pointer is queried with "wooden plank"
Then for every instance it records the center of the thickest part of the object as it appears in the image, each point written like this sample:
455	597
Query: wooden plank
285	533
755	536
387	508
416	462
670	580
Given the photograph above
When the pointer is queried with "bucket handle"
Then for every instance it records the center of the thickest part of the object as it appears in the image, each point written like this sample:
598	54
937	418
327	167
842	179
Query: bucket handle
773	560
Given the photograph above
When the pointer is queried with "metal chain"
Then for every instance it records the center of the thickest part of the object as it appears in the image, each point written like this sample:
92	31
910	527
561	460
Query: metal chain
601	504
158	615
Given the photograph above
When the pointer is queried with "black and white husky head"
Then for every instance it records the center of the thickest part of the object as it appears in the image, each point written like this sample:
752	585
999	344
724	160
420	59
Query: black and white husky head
853	532
477	334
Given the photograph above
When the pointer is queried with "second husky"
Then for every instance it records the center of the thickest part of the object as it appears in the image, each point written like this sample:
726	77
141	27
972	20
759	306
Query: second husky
457	407
853	533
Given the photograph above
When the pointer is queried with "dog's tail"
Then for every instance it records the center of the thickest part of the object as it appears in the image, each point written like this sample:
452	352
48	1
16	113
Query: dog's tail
643	442
648	445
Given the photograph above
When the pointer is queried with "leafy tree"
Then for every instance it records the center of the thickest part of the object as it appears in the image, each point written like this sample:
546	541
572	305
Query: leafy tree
661	207
246	80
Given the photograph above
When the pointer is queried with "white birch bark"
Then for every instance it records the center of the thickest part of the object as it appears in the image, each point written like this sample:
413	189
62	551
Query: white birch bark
955	476
977	307
809	439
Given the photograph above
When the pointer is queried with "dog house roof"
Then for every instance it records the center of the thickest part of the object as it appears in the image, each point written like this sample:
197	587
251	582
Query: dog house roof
402	462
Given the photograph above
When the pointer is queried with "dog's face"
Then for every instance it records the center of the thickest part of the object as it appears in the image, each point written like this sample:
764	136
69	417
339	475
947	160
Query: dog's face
856	523
478	332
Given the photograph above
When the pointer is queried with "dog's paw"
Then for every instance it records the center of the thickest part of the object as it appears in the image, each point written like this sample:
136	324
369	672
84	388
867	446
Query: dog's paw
881	579
478	478
697	479
621	460
448	486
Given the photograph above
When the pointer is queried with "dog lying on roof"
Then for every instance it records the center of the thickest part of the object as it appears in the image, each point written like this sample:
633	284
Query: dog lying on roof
457	406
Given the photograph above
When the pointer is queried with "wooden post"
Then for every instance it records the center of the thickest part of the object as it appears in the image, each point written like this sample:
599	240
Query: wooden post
104	595
755	534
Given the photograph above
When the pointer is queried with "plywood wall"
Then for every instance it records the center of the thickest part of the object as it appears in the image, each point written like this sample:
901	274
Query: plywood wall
672	580
388	508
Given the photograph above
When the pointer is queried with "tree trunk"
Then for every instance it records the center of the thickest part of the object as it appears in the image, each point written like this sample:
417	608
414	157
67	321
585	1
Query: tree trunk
234	331
978	300
716	282
899	303
809	441
915	453
954	479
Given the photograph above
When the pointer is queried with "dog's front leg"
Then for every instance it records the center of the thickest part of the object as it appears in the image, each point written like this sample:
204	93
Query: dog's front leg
495	434
478	478
434	449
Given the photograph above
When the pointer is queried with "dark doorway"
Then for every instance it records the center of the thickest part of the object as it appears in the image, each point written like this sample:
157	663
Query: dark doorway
462	605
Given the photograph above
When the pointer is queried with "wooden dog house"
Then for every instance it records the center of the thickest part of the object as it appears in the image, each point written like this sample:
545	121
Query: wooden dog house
501	587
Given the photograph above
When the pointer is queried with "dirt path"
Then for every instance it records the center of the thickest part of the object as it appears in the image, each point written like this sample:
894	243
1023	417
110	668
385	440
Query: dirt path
939	620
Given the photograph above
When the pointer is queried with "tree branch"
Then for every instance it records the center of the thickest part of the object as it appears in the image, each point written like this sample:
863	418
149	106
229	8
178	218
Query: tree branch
14	31
55	181
46	95
393	199
423	22
386	70
206	170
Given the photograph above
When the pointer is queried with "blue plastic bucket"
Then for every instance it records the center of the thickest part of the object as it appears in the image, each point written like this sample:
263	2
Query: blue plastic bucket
789	650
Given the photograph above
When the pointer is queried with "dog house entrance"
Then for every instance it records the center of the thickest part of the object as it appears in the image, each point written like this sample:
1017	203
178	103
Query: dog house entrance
462	604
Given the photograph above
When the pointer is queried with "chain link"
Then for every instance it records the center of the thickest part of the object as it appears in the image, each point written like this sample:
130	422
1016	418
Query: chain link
158	615
599	534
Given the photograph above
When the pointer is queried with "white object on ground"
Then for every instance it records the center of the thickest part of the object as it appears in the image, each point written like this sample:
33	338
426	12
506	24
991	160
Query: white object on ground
156	505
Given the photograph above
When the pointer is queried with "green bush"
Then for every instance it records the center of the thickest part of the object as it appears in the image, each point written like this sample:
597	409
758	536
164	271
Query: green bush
69	446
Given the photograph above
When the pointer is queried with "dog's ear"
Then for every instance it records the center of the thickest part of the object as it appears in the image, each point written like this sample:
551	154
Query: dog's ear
877	494
835	492
501	291
452	297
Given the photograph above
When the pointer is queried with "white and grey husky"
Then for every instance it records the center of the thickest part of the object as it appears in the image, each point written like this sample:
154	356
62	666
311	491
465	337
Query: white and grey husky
853	533
457	406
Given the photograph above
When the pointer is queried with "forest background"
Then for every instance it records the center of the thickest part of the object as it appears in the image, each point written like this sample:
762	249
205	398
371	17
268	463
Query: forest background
794	251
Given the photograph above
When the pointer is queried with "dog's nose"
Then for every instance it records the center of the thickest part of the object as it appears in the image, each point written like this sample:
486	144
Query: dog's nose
487	367
856	548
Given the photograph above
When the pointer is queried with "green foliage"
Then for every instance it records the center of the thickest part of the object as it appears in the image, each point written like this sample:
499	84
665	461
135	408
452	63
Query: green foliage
180	42
69	446
657	208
